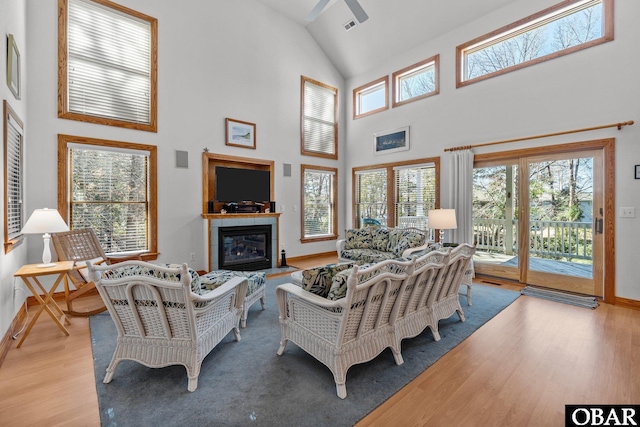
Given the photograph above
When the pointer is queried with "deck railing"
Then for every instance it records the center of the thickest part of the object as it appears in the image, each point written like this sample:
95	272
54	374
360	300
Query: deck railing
548	239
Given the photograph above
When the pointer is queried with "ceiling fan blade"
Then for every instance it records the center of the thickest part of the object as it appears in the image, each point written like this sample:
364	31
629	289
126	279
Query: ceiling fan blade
357	10
316	10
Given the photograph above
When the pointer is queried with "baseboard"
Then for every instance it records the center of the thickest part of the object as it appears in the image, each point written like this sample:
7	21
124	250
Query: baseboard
5	344
627	303
292	260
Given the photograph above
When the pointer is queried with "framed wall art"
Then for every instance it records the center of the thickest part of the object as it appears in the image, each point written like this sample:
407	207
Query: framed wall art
391	141
240	134
13	66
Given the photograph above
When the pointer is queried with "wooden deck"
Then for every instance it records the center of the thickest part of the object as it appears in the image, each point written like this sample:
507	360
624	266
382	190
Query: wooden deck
537	264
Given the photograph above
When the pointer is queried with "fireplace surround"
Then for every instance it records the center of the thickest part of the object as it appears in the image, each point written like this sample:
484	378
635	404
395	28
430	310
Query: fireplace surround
217	221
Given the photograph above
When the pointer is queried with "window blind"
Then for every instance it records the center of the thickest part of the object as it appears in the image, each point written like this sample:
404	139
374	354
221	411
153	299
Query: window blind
109	193
318	203
415	194
14	179
371	196
109	63
319	118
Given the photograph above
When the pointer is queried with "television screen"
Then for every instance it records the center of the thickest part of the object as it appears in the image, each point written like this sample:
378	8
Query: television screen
242	185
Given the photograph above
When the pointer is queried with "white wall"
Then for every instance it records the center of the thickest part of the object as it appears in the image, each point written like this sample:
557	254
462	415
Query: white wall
216	59
235	59
594	87
12	21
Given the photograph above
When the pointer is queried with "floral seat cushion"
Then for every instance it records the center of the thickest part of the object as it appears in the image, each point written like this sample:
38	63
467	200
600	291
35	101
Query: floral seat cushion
216	278
318	280
367	255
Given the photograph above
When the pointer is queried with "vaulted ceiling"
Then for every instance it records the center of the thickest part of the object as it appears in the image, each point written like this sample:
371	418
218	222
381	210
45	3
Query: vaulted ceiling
393	25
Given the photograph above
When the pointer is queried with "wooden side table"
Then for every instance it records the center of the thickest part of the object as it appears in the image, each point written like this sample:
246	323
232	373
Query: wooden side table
29	274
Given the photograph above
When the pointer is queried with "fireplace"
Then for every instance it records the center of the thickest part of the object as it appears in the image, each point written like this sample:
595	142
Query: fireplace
244	247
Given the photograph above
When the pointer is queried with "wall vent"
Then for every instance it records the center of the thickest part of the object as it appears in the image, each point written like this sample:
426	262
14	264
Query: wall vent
349	25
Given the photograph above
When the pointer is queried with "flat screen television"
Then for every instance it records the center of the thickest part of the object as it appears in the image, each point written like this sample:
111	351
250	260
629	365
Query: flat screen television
242	185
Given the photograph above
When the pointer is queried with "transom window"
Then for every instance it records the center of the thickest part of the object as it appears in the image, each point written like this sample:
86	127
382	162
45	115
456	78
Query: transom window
559	30
110	187
319	119
416	81
319	201
371	98
108	64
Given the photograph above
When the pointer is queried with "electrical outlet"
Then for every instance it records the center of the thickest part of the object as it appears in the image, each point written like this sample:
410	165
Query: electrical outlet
192	257
628	212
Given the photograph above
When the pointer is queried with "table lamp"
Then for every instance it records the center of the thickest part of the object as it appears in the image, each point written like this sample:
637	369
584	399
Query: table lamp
45	221
442	219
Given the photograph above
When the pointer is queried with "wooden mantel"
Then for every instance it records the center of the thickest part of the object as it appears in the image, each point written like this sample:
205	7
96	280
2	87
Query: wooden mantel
240	215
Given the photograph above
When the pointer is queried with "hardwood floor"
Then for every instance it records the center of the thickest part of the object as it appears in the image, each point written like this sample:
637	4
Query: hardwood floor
519	369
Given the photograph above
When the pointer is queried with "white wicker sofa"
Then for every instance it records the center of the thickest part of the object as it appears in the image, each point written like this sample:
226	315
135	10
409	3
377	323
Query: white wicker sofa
375	244
164	317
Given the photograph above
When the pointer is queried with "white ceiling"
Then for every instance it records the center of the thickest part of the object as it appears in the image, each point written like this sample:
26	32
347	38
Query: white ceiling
392	25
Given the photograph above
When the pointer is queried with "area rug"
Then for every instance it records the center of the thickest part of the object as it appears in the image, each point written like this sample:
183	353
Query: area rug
245	383
558	296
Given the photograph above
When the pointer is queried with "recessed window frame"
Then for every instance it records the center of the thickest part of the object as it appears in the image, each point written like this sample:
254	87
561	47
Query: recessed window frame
367	88
333	235
65	142
306	117
13	178
63	74
521	26
397	76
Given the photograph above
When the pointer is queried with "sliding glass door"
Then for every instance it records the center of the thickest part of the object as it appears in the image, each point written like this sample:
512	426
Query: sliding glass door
539	218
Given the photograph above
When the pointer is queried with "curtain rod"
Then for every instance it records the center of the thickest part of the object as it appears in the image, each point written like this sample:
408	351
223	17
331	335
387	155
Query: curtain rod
465	147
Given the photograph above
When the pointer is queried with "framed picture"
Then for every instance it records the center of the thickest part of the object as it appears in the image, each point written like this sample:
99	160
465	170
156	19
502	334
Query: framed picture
240	134
13	66
637	175
391	141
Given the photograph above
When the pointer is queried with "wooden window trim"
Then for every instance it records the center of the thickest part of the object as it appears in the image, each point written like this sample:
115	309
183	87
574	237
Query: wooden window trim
398	74
63	102
391	190
63	181
10	244
334	235
460	50
303	150
357	91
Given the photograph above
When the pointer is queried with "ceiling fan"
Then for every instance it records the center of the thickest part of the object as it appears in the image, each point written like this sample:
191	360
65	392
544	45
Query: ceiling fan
355	7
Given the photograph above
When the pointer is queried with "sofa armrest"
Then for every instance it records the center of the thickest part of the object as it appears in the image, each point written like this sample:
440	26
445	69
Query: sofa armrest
407	253
340	245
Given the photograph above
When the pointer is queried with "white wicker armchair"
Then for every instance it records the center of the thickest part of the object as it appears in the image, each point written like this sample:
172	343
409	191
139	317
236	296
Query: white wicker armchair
350	330
160	320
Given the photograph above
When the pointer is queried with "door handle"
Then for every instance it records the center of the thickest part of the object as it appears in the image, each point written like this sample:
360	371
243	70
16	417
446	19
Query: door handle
598	225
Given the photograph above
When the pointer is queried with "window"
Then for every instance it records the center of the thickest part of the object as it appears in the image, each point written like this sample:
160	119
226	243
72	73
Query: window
416	81
319	119
111	187
371	98
415	194
108	64
396	194
559	30
319	201
371	197
13	178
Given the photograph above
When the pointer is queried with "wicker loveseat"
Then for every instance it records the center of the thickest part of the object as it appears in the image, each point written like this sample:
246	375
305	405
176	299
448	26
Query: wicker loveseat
375	244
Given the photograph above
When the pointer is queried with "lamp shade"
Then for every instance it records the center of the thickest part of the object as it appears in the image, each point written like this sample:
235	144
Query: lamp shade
44	221
442	219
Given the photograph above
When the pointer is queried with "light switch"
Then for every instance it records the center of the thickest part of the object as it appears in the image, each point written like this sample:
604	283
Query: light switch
628	212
